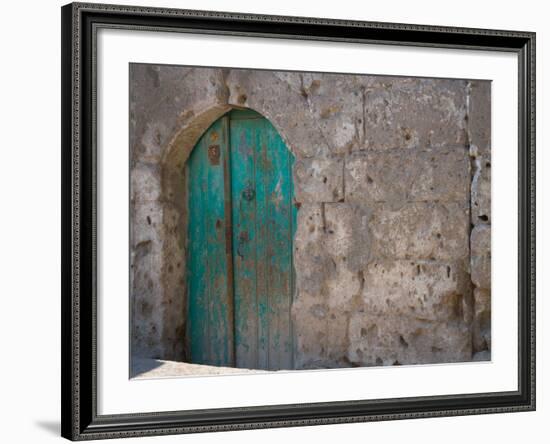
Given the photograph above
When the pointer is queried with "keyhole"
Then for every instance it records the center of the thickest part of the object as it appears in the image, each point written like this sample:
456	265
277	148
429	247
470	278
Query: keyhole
248	193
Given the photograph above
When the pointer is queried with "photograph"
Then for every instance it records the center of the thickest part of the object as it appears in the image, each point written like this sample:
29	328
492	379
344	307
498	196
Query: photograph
293	220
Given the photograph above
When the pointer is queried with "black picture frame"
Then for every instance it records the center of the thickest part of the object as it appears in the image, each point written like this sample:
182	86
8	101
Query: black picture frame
79	391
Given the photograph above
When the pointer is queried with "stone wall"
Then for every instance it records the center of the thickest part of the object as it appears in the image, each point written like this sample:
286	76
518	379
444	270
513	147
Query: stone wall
479	140
392	179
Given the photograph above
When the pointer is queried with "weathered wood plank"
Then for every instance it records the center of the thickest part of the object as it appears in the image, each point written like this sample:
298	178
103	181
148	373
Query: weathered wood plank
276	168
262	265
263	309
242	144
197	270
244	238
210	299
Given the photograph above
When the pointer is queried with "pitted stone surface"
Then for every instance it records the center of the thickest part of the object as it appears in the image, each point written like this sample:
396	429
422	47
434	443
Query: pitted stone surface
162	101
147	225
339	116
319	180
397	340
421	230
482	320
479	114
310	250
479	135
481	189
282	105
419	289
310	312
145	183
412	112
481	256
347	234
408	176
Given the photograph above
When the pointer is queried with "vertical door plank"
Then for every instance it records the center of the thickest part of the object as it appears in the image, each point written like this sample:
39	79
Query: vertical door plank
197	260
242	142
262	246
210	298
263	232
276	171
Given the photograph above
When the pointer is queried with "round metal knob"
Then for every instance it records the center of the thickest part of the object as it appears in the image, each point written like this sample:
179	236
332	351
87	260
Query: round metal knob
248	194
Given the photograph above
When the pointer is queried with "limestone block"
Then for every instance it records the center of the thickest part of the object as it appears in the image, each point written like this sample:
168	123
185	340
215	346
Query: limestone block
347	234
342	286
157	260
337	338
481	189
480	261
148	79
479	113
318	180
420	289
173	281
163	99
481	328
147	272
311	261
411	112
395	340
145	182
441	175
157	283
481	240
339	116
408	175
153	221
146	306
321	335
310	329
420	230
283	105
147	224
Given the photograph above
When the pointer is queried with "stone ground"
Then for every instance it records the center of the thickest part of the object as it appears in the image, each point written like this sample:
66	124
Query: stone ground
145	368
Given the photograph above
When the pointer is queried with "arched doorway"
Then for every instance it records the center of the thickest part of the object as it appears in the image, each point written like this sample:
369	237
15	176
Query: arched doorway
242	220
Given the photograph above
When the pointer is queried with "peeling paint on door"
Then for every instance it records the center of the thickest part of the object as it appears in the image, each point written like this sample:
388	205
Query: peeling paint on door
241	203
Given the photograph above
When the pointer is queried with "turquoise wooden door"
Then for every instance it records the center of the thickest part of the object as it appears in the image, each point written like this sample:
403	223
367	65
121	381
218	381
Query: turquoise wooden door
241	225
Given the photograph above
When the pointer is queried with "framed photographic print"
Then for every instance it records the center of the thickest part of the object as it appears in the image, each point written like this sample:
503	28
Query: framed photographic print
279	221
